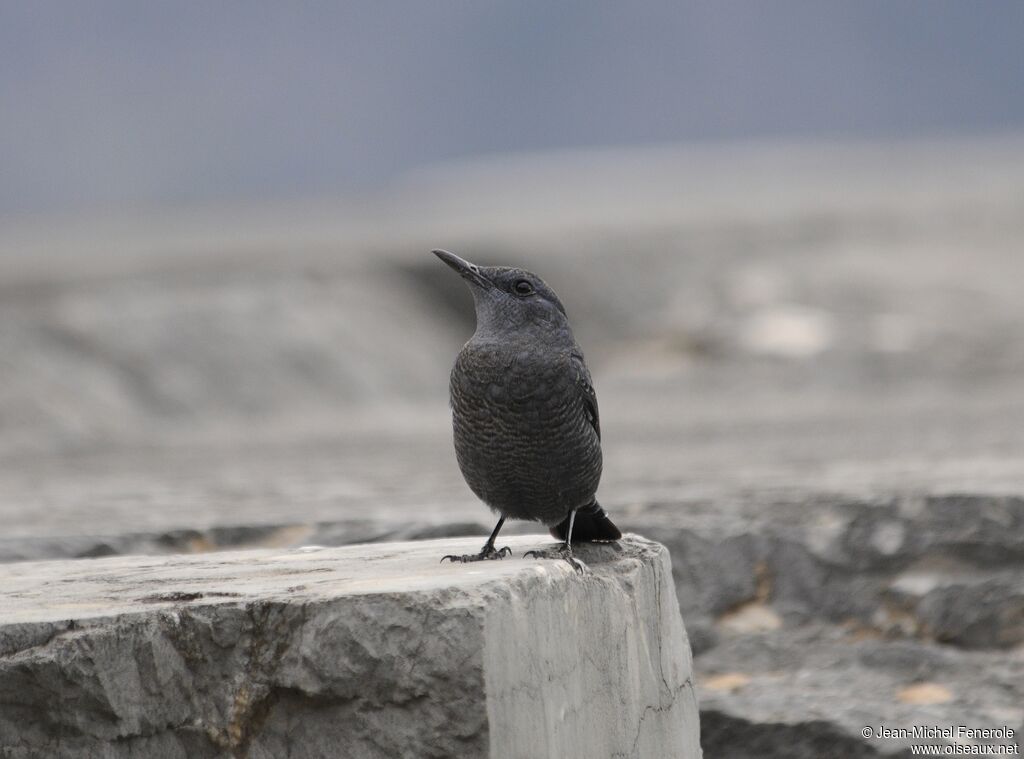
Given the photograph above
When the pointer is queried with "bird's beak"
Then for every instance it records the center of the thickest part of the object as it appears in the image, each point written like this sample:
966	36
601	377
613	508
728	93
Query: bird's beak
466	270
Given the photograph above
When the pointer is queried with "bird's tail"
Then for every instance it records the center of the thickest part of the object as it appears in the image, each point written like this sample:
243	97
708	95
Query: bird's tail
591	524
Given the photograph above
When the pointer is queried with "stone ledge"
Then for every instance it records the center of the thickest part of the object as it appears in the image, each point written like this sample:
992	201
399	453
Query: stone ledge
374	650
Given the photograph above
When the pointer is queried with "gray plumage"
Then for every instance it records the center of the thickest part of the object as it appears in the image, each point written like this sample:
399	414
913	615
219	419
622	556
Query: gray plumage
524	412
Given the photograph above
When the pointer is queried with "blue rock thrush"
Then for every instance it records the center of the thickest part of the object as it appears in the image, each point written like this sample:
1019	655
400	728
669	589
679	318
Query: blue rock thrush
524	412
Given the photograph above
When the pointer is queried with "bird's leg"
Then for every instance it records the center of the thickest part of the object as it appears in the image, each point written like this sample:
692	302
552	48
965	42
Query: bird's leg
564	551
488	551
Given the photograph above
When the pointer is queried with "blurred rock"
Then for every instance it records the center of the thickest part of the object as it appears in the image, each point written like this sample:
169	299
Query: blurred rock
954	575
811	692
748	271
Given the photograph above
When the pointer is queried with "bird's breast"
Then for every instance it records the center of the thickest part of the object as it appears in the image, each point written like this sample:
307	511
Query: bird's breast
507	383
521	433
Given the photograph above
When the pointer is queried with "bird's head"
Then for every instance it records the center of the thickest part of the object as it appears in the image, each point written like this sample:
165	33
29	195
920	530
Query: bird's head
508	298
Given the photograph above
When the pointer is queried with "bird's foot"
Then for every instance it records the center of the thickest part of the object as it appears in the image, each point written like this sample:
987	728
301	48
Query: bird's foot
563	551
488	552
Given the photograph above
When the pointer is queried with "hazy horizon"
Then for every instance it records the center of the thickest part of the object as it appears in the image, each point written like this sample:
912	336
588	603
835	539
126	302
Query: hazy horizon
118	106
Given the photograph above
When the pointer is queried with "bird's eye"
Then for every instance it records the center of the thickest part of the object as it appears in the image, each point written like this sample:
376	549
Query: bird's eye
522	287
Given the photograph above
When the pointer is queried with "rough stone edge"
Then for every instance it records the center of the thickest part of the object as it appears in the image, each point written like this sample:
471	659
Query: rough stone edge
650	645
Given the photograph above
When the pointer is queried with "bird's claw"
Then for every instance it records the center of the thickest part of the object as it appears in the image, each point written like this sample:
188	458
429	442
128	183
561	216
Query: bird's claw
563	552
488	553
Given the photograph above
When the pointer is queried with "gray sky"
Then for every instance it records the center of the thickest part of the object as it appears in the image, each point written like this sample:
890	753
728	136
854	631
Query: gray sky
121	105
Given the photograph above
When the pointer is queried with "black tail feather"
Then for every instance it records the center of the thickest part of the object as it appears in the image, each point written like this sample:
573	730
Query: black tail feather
591	524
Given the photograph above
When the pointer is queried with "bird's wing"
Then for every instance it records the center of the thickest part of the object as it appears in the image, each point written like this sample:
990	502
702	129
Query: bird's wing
586	390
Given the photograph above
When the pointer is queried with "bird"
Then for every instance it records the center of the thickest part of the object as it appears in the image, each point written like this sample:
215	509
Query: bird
525	418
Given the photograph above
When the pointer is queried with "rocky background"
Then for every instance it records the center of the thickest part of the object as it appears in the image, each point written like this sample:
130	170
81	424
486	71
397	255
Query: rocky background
809	360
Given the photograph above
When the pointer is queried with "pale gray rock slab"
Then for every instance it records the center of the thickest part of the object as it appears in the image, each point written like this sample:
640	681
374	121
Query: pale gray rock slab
373	650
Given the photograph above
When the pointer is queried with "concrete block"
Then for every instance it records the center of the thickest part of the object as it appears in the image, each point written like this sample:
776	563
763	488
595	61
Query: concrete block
363	651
